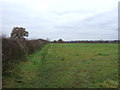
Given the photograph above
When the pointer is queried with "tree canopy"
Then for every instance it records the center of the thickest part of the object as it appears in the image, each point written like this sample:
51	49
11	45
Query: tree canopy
60	41
19	32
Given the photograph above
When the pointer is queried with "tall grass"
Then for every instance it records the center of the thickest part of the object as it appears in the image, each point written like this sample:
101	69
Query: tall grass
14	49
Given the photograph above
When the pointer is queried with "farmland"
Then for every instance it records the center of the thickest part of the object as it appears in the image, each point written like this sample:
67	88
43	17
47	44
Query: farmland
60	65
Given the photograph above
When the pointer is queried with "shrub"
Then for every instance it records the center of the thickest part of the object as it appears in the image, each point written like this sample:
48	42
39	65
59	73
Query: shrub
14	49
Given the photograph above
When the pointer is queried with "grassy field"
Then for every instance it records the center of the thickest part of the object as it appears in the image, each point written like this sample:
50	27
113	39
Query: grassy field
67	66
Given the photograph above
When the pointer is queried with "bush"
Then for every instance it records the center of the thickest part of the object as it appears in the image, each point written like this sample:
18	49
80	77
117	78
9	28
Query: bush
14	49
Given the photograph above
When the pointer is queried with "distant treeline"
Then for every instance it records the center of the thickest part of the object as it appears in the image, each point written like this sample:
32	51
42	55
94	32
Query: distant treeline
85	41
13	49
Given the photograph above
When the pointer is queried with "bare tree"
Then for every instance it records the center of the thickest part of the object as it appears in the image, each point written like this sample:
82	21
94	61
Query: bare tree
19	32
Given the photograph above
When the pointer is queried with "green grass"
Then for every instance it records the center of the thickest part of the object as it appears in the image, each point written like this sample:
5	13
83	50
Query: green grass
67	66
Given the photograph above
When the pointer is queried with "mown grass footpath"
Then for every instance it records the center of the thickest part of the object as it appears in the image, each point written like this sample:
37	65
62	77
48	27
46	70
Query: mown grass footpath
26	72
66	66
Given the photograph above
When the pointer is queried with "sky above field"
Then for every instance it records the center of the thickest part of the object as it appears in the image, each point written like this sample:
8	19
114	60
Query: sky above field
66	19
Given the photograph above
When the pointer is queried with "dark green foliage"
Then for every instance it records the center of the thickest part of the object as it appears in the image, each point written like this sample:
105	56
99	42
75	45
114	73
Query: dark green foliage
60	41
54	41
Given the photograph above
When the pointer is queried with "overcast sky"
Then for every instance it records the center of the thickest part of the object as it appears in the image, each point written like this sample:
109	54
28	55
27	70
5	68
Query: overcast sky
66	19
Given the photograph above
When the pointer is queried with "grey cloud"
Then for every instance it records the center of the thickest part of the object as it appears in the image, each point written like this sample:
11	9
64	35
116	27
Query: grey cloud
101	26
51	24
81	11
